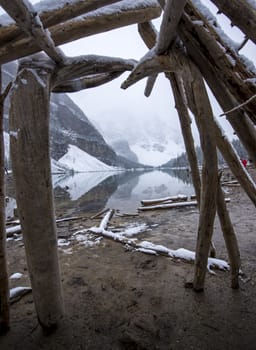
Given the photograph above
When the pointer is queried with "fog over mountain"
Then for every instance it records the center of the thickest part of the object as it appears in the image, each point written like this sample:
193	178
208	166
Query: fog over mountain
152	138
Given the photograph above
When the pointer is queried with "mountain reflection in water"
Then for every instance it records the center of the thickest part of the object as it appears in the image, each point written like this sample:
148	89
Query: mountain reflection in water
91	192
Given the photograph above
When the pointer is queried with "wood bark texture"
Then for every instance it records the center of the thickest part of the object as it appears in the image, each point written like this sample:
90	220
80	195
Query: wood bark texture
229	237
54	16
4	282
209	179
241	14
28	20
29	130
204	43
94	23
172	13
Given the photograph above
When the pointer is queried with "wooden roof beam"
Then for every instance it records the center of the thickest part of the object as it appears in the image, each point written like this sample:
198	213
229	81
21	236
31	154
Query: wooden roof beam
168	30
82	66
28	20
91	24
152	64
226	63
241	13
54	15
87	82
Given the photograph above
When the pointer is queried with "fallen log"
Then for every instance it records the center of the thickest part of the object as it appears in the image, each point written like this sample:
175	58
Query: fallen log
172	205
151	248
17	293
168	206
99	213
11	231
179	198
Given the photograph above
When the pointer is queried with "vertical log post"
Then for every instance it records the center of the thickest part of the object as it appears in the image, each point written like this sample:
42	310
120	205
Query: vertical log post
185	123
209	178
29	134
229	237
4	283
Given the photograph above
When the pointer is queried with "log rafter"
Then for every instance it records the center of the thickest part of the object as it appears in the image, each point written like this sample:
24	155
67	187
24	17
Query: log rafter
54	15
172	14
228	66
241	13
94	23
29	21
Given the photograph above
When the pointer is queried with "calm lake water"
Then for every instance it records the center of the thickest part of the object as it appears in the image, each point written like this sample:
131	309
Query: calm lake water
92	192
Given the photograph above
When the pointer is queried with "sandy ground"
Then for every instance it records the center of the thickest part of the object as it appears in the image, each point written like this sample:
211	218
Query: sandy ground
118	299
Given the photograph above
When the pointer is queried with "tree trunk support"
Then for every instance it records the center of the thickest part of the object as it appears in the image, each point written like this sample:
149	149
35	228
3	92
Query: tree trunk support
4	282
209	179
29	141
229	237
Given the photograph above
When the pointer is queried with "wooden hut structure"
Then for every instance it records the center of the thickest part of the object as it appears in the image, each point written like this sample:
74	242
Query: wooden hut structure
189	49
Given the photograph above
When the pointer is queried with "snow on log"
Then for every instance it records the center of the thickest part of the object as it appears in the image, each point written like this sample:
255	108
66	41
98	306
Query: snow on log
168	206
29	21
87	65
148	247
122	14
178	198
172	13
18	292
172	205
152	64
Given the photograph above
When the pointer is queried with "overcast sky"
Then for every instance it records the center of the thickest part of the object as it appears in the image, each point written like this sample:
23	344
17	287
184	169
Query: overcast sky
109	101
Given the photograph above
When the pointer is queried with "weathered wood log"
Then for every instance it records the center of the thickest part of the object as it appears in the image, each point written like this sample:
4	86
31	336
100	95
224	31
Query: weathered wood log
4	283
29	22
168	206
227	64
185	122
17	293
171	199
52	16
150	85
151	248
226	149
94	23
29	140
209	179
100	213
241	123
86	82
172	13
241	13
229	238
81	66
152	64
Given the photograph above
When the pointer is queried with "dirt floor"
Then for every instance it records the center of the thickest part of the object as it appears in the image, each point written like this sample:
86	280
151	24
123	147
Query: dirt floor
118	299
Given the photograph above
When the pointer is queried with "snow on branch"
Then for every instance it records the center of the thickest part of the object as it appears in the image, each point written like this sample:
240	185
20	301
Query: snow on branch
86	82
241	13
82	66
110	17
152	64
29	21
172	13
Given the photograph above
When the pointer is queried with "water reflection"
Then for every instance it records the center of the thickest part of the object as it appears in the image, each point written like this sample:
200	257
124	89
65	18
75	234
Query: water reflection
91	192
